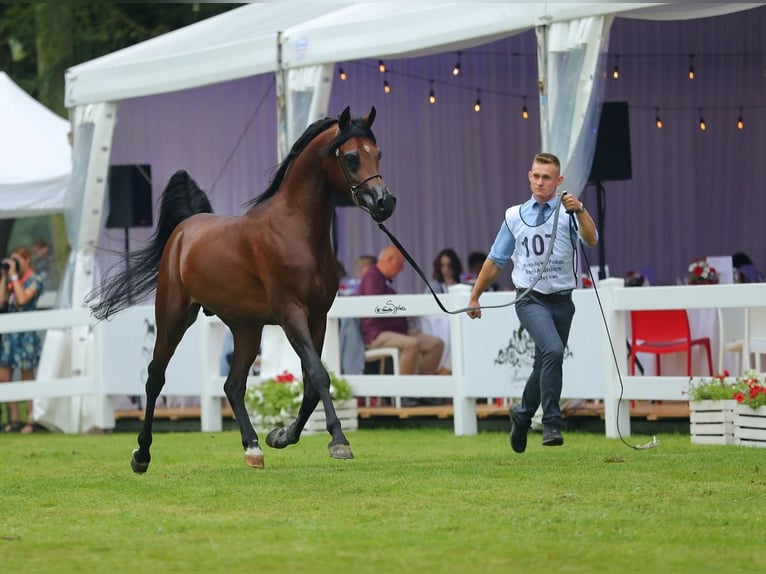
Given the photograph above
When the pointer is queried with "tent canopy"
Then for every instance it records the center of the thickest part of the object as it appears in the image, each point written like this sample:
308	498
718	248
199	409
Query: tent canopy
35	155
244	41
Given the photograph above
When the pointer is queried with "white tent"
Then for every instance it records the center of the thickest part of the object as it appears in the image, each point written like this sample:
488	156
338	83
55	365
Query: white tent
301	42
35	155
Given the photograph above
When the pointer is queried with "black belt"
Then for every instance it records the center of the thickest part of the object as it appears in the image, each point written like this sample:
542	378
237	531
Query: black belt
552	297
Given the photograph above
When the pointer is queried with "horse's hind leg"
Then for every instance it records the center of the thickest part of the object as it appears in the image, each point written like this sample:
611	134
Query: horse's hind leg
169	333
246	347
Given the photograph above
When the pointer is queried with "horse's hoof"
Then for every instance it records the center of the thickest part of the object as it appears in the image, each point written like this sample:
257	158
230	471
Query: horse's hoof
340	451
138	467
254	457
277	438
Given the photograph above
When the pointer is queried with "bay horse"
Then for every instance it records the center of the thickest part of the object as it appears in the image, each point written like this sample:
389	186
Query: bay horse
274	265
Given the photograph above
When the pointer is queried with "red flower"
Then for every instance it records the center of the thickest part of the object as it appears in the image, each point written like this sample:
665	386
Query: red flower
698	271
285	377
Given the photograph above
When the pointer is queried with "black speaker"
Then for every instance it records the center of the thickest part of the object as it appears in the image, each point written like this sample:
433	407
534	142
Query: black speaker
611	162
130	196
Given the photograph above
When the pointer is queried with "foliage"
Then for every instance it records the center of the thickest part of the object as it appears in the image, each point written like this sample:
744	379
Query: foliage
275	397
754	393
281	396
720	388
701	273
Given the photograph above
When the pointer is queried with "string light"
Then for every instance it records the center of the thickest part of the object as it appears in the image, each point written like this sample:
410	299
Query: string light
657	119
477	105
703	126
381	67
431	94
524	110
456	69
616	70
386	86
740	121
691	66
342	74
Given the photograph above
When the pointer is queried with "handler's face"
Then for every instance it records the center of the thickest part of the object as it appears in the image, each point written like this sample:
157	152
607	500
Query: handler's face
544	178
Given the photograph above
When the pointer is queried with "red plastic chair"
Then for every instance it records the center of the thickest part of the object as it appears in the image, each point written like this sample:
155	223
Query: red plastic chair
664	332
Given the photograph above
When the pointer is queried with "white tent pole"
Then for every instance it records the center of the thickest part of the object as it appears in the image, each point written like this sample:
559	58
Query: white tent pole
282	143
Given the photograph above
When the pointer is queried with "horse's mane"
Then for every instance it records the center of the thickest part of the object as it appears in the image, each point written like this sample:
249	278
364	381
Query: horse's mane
356	128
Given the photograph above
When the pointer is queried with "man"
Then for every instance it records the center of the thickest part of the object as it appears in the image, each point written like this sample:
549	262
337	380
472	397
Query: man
546	312
395	331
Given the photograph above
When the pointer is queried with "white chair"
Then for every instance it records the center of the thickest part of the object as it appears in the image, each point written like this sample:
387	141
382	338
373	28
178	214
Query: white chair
731	335
380	355
755	336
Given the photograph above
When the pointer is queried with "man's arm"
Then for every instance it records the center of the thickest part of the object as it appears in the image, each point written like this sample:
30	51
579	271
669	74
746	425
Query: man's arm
489	271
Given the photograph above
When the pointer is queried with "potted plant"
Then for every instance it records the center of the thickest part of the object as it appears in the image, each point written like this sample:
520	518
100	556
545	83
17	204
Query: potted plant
275	402
750	411
711	409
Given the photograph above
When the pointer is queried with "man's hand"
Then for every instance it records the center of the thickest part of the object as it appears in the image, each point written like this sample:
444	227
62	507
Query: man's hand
474	312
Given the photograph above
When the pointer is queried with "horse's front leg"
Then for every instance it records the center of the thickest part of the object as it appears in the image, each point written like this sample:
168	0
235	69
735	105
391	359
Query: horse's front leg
316	387
246	346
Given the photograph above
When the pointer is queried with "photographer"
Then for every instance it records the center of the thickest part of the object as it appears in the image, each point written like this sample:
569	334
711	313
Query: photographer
20	288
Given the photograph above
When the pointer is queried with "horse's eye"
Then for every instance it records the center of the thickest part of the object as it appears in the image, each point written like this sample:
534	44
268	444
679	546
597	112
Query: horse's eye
380	154
351	159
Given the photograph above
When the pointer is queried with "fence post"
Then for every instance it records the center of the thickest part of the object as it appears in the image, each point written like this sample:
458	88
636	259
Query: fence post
616	411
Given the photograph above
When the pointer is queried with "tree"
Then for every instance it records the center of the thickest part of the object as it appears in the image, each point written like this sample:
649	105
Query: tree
39	41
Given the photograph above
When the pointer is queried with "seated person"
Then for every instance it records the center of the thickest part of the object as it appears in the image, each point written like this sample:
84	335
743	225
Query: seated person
419	353
744	270
475	261
447	271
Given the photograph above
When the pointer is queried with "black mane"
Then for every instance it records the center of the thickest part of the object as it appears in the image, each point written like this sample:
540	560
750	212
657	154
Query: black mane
357	128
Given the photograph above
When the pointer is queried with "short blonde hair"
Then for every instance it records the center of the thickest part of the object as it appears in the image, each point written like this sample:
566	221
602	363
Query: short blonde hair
547	159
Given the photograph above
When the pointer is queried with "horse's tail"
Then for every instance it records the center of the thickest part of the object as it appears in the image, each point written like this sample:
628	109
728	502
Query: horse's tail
134	276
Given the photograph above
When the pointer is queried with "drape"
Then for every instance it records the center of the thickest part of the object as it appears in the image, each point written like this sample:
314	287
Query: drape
571	60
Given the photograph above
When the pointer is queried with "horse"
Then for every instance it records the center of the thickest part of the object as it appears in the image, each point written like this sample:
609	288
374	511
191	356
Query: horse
273	265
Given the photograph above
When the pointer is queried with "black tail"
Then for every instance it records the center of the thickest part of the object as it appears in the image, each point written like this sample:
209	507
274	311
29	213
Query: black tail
135	275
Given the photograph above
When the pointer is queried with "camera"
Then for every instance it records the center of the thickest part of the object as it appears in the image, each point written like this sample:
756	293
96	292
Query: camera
6	266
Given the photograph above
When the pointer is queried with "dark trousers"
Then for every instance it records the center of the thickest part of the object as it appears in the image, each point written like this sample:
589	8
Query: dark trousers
547	320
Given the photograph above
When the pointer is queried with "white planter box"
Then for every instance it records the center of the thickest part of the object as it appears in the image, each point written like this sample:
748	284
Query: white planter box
750	426
346	411
712	422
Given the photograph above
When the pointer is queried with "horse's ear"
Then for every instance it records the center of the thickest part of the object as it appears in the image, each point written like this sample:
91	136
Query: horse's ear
345	118
370	118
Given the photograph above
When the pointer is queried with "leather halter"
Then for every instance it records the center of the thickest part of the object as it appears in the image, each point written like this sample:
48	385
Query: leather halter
354	187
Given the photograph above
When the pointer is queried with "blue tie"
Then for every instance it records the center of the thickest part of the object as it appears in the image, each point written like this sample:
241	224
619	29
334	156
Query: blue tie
541	208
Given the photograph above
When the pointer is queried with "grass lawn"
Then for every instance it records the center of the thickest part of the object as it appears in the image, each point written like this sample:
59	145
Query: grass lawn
420	500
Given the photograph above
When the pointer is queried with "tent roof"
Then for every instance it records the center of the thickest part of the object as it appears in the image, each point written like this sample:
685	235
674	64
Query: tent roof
35	155
243	42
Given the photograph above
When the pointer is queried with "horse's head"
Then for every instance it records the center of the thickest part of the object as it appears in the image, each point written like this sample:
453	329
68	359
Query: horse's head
357	155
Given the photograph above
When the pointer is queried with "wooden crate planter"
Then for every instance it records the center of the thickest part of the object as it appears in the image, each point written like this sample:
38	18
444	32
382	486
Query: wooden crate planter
712	422
346	411
750	426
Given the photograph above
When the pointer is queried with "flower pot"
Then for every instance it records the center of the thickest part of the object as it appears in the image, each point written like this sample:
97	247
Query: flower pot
750	426
712	422
346	411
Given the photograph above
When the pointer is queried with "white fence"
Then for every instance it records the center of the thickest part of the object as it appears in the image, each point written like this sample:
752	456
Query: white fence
491	357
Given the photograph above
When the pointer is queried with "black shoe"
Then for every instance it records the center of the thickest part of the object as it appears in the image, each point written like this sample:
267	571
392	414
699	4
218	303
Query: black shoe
552	436
519	432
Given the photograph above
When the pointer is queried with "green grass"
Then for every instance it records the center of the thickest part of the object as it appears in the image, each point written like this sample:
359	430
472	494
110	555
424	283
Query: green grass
412	500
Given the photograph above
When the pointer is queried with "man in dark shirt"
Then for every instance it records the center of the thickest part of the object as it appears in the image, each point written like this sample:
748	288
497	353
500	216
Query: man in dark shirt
414	346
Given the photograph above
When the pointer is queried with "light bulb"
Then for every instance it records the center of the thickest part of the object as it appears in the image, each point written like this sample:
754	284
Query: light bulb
342	74
381	66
